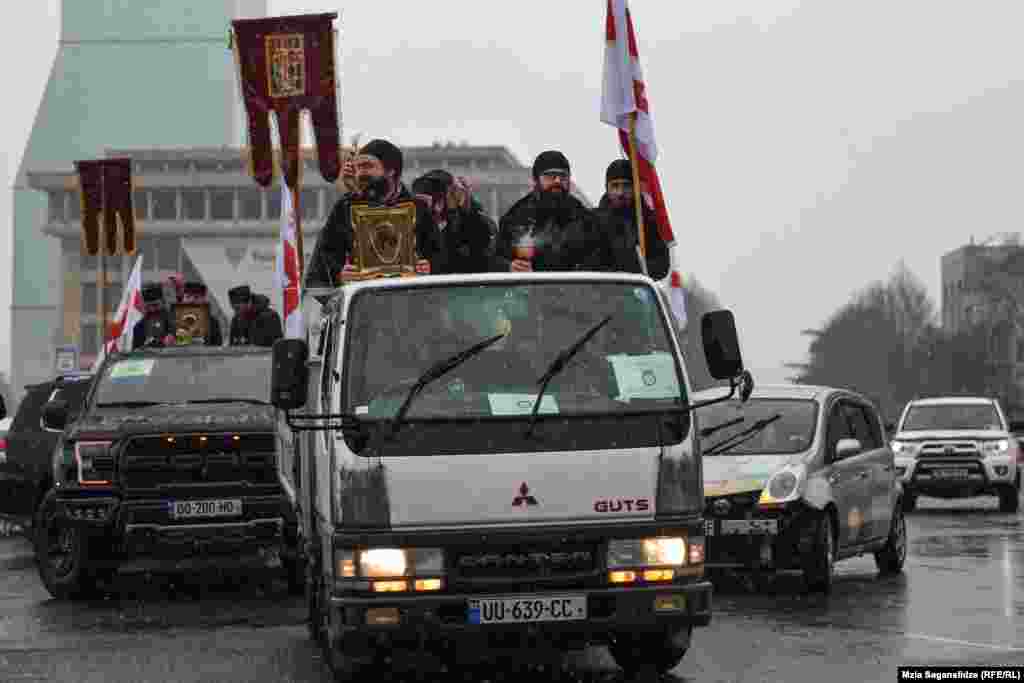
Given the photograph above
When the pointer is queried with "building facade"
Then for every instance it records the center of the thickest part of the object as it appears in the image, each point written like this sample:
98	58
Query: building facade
200	214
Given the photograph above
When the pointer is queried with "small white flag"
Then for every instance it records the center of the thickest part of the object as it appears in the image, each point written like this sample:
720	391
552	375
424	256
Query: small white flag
288	269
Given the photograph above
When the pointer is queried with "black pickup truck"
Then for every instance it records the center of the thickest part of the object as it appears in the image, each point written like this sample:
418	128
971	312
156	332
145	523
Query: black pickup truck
170	467
26	470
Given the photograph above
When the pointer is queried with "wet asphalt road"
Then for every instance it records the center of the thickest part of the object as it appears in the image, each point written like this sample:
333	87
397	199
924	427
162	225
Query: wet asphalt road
960	601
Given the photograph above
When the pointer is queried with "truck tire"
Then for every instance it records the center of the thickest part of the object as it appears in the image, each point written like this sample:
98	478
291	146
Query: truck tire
637	654
819	562
1009	498
62	555
893	555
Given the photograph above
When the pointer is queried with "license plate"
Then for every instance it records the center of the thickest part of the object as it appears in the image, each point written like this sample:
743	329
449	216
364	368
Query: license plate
191	509
734	527
527	609
951	474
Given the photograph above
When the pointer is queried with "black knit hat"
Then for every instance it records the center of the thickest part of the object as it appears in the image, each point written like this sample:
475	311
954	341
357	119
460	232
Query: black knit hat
620	169
546	161
195	288
388	154
240	294
432	183
153	293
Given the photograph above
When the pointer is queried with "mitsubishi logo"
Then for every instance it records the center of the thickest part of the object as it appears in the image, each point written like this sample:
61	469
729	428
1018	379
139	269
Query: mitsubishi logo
722	506
524	497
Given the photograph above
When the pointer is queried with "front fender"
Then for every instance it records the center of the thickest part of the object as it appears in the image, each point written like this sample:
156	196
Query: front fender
818	494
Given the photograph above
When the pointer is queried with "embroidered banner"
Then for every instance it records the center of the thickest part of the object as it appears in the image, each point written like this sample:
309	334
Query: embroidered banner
106	194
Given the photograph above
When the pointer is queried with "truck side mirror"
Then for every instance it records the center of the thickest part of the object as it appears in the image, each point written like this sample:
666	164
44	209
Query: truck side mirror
55	415
3	408
1016	427
289	377
721	344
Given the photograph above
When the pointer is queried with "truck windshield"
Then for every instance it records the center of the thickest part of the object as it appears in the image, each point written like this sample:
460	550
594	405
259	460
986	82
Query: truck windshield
952	416
396	334
177	379
731	422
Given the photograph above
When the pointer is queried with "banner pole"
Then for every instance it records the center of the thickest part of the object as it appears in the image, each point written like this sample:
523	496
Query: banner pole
641	232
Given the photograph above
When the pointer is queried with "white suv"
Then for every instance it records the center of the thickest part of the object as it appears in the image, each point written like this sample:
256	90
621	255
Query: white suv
957	447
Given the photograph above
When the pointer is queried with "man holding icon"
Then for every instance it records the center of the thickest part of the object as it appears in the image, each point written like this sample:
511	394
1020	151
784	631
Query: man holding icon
548	229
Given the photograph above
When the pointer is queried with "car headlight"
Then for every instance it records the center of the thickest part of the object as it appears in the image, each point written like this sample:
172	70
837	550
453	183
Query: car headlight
995	447
783	486
902	447
93	462
647	552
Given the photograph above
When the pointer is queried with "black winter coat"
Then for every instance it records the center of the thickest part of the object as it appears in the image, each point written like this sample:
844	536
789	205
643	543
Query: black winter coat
151	330
619	241
262	328
467	242
334	243
562	244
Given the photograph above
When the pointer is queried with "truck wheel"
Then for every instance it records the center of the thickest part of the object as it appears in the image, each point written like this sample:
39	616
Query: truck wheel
1009	499
819	563
62	555
891	557
637	655
909	501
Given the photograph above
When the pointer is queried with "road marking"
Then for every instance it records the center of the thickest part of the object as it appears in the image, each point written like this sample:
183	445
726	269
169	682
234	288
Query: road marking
983	646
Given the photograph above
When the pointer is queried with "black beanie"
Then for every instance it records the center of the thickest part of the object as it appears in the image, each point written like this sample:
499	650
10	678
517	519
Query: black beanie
388	154
240	294
620	169
434	182
152	293
548	160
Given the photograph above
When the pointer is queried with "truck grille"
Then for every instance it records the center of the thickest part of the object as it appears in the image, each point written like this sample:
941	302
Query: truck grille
736	506
958	449
151	461
529	563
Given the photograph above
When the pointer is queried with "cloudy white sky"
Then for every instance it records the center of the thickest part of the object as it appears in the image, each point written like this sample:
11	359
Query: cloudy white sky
806	147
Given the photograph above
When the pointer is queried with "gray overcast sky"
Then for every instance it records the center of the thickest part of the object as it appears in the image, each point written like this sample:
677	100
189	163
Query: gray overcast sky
806	147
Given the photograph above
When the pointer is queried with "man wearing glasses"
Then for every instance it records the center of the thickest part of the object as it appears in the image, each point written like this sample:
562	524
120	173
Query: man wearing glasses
548	229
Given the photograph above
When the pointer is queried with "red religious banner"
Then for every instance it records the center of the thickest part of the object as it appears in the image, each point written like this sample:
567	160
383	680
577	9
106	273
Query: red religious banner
286	65
106	191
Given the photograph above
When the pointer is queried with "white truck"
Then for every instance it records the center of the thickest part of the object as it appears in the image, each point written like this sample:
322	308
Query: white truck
498	461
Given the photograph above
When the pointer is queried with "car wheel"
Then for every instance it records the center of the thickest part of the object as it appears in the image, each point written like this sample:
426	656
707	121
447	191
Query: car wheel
1009	499
909	501
637	655
819	563
62	555
893	555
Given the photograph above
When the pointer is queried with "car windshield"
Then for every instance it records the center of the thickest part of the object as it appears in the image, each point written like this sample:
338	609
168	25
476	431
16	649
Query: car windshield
952	416
177	379
394	335
732	421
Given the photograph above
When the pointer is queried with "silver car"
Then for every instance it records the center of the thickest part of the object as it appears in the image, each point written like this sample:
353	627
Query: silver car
799	477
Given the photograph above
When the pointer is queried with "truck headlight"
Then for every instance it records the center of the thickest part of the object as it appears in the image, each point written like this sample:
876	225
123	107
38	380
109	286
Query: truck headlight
88	455
903	447
385	563
995	447
647	552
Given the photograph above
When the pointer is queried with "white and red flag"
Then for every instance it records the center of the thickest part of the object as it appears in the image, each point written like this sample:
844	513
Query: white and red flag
130	311
288	268
623	97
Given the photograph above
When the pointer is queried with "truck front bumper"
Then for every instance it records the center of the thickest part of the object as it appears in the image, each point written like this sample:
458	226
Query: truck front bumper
443	619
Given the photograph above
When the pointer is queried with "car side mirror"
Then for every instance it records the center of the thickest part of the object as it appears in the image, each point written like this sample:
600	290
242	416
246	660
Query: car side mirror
3	408
55	416
721	345
289	376
890	428
846	448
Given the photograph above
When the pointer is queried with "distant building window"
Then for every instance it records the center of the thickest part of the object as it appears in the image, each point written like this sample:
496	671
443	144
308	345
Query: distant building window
310	204
165	205
222	205
167	251
250	201
141	201
147	248
57	214
74	207
89	297
274	203
88	341
193	205
88	262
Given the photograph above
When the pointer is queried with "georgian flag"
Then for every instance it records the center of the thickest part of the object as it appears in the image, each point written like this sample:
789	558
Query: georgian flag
129	311
288	268
623	93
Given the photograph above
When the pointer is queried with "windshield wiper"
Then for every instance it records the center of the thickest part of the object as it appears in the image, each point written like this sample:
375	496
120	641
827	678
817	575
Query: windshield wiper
708	431
130	404
436	371
251	401
557	365
744	436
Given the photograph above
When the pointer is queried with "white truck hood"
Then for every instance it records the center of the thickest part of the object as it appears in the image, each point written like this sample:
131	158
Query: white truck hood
952	435
471	490
728	474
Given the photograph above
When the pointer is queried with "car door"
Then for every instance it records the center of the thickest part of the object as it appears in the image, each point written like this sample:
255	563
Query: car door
848	478
879	461
26	444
